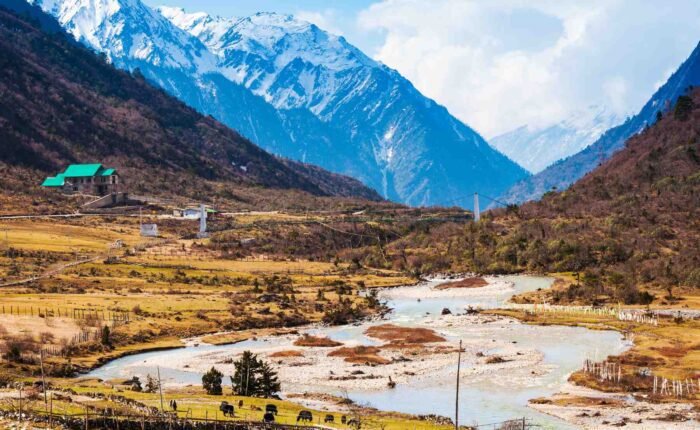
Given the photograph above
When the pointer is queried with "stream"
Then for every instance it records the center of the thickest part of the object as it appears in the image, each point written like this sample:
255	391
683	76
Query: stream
485	396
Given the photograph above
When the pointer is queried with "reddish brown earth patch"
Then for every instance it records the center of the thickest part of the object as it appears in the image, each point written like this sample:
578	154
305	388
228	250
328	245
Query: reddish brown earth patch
318	342
360	355
464	283
287	353
403	337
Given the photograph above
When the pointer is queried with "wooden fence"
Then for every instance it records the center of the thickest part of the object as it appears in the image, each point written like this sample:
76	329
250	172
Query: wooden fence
612	372
638	316
114	317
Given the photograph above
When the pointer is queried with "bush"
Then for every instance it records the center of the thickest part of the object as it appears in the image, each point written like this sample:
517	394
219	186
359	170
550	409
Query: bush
693	279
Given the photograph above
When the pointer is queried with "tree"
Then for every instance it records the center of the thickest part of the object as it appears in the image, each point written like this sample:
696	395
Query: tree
105	339
244	380
684	106
135	384
254	377
269	384
151	384
211	382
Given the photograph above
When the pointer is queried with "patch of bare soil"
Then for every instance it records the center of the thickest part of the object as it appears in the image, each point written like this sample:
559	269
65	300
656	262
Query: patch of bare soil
316	342
403	337
360	355
463	283
286	354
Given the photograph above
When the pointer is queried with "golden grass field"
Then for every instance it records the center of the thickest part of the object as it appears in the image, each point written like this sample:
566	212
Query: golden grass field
170	291
194	403
180	288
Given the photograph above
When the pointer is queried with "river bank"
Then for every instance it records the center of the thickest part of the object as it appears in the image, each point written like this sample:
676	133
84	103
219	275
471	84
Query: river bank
505	362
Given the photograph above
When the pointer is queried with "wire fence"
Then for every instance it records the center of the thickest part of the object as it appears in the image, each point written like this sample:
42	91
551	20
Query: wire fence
168	421
114	317
94	421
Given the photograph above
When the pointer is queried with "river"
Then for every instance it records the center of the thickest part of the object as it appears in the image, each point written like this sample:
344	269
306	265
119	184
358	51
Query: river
488	393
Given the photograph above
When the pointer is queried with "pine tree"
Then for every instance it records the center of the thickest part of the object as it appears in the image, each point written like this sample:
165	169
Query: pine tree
269	383
211	381
684	106
254	377
245	379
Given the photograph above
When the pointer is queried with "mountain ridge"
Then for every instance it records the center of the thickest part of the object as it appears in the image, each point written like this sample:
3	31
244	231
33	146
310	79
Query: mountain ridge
536	148
565	172
365	121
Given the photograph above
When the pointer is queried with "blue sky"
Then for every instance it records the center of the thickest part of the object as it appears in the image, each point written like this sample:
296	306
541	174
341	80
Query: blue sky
501	64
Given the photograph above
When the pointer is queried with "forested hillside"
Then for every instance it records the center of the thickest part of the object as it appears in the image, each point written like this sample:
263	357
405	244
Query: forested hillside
63	104
634	221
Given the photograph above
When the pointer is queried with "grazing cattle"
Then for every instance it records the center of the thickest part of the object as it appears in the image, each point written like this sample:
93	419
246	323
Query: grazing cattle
226	409
329	419
271	409
305	416
343	419
269	417
354	422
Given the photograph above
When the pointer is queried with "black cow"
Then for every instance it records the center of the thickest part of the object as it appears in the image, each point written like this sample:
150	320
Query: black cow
269	417
271	409
305	416
329	419
354	422
226	409
343	419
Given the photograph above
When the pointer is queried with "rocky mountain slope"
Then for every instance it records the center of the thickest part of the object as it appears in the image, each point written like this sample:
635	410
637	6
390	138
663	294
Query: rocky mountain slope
536	148
61	103
565	172
299	92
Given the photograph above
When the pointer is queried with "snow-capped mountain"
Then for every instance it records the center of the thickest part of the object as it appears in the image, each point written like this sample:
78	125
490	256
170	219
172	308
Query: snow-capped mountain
535	148
299	92
565	172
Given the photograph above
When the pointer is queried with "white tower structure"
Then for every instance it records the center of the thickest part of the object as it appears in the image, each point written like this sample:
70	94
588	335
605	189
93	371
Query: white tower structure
477	212
202	221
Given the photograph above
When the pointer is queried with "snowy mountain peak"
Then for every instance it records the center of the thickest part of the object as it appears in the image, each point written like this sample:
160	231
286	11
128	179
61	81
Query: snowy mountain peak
535	148
300	92
289	62
199	24
127	30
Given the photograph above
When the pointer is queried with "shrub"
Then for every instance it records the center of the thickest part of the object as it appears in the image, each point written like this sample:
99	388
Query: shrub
693	279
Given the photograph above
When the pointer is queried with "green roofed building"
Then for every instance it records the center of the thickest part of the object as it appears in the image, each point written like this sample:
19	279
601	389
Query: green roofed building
93	179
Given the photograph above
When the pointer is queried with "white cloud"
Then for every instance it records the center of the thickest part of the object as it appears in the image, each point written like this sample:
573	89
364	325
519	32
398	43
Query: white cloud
326	19
499	64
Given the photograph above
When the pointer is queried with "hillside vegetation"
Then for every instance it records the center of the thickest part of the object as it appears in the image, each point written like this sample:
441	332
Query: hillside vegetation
62	104
631	222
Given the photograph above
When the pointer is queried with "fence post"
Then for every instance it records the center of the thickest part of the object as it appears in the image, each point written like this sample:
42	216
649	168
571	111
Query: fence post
523	423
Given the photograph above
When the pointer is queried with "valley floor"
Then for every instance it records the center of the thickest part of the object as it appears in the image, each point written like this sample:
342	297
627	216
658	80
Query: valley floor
64	280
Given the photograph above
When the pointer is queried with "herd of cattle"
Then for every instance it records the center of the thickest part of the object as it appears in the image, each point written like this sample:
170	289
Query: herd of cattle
303	416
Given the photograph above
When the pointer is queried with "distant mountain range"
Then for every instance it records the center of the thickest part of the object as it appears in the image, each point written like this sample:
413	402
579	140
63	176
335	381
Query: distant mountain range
61	103
637	213
565	172
299	92
536	148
